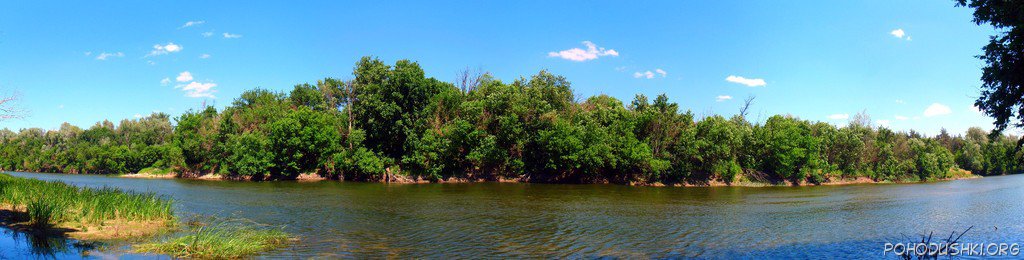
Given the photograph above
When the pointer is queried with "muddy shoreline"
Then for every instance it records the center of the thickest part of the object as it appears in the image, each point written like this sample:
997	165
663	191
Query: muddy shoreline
407	180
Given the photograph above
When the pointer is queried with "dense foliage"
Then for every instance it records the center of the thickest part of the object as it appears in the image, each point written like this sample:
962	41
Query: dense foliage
1002	95
392	123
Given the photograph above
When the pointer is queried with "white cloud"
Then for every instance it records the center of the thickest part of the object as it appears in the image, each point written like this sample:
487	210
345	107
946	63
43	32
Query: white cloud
88	53
61	106
623	68
937	109
104	56
722	98
150	62
883	122
204	56
138	115
899	101
839	116
898	33
192	23
199	90
165	81
207	34
577	54
232	36
746	81
184	77
661	72
646	74
901	118
158	49
650	74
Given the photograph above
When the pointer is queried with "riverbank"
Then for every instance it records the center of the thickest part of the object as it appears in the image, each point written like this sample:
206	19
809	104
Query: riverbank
54	210
742	180
58	209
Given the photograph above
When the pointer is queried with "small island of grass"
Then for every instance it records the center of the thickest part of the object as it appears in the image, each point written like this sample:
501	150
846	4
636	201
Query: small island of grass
57	209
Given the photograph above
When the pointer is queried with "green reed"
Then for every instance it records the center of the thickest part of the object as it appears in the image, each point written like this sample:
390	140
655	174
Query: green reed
51	202
220	239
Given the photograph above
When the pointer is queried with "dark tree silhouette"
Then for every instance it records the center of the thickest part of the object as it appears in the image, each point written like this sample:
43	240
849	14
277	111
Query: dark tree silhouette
1002	94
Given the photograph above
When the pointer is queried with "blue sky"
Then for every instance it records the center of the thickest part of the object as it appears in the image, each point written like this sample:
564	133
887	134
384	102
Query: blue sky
909	64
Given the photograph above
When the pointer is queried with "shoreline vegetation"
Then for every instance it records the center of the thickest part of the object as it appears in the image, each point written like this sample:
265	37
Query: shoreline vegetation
739	182
57	209
219	239
391	123
52	209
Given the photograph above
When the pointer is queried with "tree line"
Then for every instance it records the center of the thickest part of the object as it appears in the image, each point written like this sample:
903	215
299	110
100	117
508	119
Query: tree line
392	123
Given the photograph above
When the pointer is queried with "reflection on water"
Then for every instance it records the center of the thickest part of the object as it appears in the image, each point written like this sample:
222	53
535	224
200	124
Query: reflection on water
16	245
555	221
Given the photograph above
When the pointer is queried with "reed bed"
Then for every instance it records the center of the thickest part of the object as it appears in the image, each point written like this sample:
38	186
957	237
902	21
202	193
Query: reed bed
231	238
48	203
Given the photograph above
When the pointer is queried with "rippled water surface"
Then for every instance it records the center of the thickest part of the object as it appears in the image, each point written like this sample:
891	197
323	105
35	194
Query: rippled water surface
337	219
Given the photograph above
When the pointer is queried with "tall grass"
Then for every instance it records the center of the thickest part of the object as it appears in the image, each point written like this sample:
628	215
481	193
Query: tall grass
42	214
53	202
221	239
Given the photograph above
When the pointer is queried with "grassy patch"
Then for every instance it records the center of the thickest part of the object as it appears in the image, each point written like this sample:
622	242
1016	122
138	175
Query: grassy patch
156	171
43	214
220	239
56	204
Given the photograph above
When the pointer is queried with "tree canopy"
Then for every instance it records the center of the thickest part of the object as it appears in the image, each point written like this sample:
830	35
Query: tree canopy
1002	91
392	122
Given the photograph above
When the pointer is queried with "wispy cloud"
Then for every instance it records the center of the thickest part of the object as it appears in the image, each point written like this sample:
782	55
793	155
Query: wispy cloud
207	34
901	118
165	81
745	81
232	36
722	98
937	109
577	54
899	101
650	74
184	76
158	49
839	116
204	56
191	23
647	74
105	55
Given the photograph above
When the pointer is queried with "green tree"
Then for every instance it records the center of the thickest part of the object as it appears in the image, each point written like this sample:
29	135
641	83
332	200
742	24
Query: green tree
1001	95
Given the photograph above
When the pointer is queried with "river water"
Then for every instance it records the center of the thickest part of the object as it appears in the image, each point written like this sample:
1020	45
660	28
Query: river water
372	220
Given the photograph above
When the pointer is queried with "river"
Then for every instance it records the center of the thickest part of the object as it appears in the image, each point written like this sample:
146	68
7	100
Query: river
360	220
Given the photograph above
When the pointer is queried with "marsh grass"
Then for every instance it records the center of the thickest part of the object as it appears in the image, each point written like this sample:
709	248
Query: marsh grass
42	214
233	238
51	203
